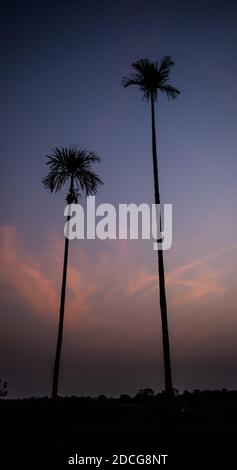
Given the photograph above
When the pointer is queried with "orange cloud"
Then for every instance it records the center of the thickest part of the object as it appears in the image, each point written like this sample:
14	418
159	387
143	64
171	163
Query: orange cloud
198	279
23	273
111	277
113	280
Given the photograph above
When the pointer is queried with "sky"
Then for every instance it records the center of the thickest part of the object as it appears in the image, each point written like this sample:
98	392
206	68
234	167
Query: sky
60	84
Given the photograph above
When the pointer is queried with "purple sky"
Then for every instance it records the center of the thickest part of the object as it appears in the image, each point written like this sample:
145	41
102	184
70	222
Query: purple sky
60	84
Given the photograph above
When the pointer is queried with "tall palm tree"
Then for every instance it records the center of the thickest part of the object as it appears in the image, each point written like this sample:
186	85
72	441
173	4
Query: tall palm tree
151	79
73	166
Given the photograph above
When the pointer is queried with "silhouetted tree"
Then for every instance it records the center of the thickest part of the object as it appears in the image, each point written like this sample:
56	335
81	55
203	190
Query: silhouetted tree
145	395
151	79
146	392
3	389
102	399
68	165
125	398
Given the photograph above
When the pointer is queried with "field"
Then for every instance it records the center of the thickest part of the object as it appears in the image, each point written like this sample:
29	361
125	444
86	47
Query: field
206	428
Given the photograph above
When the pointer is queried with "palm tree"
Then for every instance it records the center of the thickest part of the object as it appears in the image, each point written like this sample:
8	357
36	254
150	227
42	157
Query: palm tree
68	165
152	78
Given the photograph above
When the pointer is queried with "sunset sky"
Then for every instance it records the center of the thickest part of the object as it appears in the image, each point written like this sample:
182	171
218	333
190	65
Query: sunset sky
61	68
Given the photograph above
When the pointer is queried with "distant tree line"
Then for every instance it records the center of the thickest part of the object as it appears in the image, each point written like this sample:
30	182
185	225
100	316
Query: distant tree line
144	395
3	388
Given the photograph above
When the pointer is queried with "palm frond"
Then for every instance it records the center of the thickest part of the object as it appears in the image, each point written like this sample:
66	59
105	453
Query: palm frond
171	91
143	66
165	64
54	181
152	77
72	165
133	79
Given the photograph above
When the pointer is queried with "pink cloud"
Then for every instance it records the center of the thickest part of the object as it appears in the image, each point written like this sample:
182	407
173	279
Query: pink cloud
21	272
111	276
112	287
200	279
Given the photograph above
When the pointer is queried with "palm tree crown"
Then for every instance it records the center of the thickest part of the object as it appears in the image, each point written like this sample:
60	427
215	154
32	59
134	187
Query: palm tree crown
152	77
72	165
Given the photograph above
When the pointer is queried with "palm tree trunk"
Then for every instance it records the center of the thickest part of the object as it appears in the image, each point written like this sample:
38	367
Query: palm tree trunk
163	303
60	326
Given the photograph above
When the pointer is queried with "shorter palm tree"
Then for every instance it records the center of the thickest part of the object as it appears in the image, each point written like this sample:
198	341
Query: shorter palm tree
73	166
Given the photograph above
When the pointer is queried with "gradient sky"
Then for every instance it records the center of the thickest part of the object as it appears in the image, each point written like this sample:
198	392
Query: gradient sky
60	83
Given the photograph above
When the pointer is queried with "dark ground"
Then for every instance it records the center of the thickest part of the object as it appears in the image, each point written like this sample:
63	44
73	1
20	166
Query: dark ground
206	429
